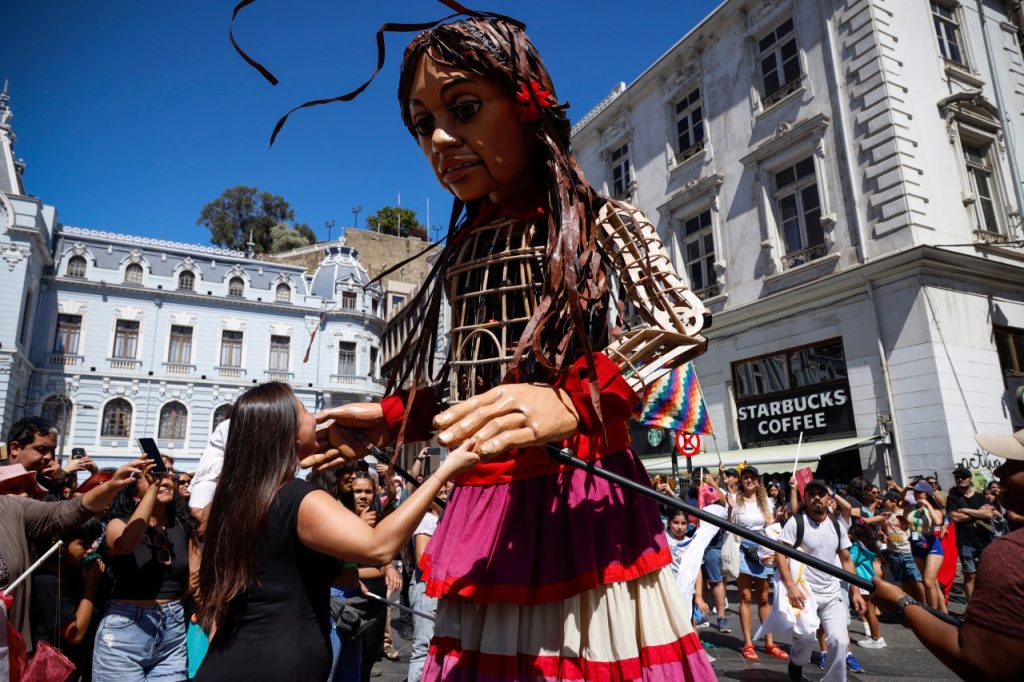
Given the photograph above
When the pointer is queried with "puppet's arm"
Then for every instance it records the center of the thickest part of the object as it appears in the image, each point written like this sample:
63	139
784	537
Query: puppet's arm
671	313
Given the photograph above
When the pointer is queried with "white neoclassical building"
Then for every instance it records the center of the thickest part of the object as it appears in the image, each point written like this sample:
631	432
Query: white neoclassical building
116	337
840	181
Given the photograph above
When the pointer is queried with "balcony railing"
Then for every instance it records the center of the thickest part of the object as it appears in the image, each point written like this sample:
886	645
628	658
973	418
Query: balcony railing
124	363
278	375
708	292
230	372
804	256
178	368
690	151
65	359
782	92
354	379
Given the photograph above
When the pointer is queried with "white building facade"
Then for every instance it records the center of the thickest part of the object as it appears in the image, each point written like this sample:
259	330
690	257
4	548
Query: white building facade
117	337
839	180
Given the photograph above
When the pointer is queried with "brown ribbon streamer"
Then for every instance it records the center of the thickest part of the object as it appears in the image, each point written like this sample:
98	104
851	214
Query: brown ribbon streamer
387	27
248	60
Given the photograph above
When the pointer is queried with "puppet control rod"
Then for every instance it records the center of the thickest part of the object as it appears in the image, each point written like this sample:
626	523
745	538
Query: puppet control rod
565	456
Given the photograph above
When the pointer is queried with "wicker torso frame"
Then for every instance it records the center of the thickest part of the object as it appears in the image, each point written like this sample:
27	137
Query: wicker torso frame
494	286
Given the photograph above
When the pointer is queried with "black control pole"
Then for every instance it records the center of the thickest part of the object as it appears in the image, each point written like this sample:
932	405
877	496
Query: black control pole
565	456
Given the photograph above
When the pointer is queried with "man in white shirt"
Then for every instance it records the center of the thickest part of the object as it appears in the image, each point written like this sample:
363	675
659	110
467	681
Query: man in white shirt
822	538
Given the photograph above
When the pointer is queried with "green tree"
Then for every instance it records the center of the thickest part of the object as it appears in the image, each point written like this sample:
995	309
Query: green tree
243	211
388	218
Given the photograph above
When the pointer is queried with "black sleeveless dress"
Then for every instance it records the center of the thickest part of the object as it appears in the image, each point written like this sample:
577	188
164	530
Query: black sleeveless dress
279	629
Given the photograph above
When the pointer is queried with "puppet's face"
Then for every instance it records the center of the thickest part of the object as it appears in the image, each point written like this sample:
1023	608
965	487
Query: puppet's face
469	132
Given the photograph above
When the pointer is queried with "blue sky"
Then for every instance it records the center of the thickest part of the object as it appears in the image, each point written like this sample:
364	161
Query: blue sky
133	115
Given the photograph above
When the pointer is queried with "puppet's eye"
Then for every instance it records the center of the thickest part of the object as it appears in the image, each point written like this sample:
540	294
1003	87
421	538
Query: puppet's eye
423	126
466	109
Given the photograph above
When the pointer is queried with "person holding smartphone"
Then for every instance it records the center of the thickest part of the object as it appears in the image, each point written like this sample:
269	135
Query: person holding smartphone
152	543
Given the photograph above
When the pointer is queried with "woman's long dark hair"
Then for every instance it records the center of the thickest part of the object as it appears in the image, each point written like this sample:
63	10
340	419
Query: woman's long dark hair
259	457
574	288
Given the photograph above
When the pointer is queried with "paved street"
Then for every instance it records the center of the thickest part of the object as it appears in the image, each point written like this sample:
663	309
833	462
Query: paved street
904	658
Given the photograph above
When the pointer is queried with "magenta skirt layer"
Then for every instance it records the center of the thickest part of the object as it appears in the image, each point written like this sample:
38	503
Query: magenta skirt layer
544	539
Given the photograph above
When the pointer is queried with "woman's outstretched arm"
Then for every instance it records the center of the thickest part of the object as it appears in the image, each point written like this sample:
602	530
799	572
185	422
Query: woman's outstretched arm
330	528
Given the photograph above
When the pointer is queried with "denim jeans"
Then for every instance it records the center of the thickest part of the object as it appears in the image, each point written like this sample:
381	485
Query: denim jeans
422	629
141	643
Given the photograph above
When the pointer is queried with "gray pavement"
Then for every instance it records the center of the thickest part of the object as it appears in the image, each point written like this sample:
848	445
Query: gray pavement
904	658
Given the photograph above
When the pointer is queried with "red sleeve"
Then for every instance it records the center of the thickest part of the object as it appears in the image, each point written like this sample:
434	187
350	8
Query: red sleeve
616	397
421	414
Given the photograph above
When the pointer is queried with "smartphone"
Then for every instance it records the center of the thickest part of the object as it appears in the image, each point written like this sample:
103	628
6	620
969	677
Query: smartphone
149	447
77	453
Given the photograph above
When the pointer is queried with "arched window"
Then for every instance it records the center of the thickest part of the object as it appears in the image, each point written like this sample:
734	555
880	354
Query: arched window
117	419
133	274
186	281
76	267
236	286
221	414
283	293
173	418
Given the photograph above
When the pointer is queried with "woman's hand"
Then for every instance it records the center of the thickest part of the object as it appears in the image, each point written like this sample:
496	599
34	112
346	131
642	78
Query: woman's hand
458	460
392	578
509	416
369	517
336	441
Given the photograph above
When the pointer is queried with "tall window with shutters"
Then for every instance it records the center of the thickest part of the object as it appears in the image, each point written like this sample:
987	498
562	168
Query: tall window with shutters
347	358
689	126
231	348
280	351
69	332
699	254
779	60
126	340
622	177
179	349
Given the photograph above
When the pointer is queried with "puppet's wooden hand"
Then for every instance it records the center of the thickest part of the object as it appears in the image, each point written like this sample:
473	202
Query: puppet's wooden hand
337	444
509	416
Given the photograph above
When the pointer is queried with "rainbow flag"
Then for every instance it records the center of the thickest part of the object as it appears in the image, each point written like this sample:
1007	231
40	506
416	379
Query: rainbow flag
674	402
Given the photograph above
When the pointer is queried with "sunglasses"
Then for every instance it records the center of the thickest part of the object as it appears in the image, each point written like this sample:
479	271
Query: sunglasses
162	548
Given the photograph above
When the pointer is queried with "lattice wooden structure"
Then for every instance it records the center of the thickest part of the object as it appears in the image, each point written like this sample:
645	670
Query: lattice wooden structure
494	285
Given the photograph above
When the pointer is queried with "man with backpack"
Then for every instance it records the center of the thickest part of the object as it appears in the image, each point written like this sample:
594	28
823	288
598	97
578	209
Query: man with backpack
815	532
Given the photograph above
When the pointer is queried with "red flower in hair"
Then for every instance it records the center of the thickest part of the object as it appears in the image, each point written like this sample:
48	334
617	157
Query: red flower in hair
530	101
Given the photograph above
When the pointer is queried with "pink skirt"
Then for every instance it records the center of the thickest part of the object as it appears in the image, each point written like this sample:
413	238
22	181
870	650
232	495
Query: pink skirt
560	577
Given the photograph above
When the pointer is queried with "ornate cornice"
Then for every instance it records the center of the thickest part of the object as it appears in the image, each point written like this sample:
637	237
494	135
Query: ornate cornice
71	231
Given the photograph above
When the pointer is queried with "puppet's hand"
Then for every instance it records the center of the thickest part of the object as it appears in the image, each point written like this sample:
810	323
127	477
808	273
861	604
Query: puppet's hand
337	444
509	416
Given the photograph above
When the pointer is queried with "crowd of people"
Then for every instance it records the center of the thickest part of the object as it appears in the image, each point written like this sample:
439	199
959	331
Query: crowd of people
914	535
119	599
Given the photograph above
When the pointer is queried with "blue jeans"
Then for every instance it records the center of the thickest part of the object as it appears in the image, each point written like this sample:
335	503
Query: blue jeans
969	558
422	629
903	568
141	643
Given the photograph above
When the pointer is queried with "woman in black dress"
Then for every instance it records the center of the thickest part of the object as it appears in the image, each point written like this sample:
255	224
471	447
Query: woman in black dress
273	543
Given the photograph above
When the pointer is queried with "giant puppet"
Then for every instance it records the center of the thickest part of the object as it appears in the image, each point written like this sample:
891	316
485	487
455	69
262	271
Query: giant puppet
543	571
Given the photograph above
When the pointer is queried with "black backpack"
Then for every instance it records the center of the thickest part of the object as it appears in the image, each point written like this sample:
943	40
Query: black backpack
800	531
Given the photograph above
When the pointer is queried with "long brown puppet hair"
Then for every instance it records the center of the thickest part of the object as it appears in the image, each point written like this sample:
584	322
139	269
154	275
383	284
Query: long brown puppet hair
574	293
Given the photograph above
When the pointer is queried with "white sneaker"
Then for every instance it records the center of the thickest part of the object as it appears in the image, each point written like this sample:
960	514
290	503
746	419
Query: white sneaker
872	643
